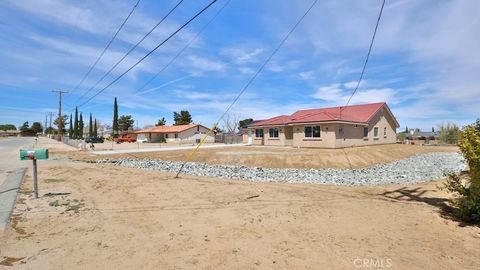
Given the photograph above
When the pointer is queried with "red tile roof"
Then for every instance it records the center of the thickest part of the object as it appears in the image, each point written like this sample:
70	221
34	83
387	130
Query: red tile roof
353	113
168	129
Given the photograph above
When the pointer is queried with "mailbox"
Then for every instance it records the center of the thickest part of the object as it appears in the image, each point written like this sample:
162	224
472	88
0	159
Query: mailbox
31	154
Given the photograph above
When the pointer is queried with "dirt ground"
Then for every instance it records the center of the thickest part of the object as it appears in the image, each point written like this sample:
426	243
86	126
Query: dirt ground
91	216
280	157
109	145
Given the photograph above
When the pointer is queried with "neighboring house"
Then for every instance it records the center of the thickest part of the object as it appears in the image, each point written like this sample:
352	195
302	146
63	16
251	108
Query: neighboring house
422	135
426	137
336	127
6	133
192	133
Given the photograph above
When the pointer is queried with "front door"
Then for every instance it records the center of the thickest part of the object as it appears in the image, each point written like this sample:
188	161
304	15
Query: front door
250	137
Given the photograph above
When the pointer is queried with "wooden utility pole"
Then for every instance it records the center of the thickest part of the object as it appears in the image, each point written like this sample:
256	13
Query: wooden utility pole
45	127
60	122
50	131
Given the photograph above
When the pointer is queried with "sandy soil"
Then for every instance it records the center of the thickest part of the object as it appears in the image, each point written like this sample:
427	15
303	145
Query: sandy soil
108	145
111	217
278	157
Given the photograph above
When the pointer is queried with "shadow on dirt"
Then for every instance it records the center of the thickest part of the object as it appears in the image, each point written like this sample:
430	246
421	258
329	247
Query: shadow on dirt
418	194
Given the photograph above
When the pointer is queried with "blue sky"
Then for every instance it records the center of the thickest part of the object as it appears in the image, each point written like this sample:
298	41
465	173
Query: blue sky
425	61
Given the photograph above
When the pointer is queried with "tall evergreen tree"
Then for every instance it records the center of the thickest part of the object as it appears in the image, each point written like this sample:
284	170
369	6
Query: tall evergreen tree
81	125
95	130
406	129
70	129
115	119
90	126
75	125
182	118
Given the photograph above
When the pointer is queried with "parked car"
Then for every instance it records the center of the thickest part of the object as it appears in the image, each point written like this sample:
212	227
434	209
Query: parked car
124	138
94	139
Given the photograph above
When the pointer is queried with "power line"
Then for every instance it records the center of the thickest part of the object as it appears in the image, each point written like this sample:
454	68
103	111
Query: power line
247	85
368	56
131	50
150	52
105	49
184	48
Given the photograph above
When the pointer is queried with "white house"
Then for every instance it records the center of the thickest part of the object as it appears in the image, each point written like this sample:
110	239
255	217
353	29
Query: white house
192	133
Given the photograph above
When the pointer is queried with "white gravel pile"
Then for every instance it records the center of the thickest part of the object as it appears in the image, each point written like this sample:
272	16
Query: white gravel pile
419	168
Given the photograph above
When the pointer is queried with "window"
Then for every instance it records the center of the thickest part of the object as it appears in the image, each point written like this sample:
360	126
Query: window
259	133
176	135
340	131
375	132
384	131
166	135
365	132
198	128
312	131
273	132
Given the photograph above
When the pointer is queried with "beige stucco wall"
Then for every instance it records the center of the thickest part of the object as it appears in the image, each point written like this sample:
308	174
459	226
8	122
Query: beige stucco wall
281	140
326	140
187	136
354	136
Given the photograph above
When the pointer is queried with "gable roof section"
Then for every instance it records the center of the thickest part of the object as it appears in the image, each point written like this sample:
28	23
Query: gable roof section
169	129
354	113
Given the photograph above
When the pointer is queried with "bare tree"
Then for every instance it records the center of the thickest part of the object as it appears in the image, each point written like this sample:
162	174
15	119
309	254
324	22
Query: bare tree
231	124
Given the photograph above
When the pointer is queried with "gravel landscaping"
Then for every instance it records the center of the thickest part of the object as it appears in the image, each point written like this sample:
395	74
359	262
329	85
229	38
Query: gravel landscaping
419	168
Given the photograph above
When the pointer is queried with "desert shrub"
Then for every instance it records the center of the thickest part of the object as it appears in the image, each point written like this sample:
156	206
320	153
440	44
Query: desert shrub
467	193
448	133
401	136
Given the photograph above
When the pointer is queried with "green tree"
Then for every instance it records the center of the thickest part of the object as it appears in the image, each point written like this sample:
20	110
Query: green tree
81	125
70	128
75	125
25	130
64	121
161	122
90	126
125	122
467	193
115	119
448	133
216	129
244	123
37	127
8	127
406	129
95	129
182	118
25	126
433	129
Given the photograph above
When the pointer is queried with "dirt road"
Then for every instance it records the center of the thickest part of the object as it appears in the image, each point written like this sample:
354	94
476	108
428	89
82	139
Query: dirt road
110	217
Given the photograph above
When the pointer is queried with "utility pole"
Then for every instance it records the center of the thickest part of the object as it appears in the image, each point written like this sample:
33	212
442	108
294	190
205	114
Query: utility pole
50	131
60	124
45	127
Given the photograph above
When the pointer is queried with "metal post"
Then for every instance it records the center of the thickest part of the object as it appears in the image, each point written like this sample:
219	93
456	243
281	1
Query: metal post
35	184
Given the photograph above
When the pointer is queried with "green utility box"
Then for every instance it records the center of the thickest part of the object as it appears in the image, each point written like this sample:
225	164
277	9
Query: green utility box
31	154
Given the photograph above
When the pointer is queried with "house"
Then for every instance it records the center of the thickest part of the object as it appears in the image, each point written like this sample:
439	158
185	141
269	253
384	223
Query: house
336	127
191	133
7	133
428	137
